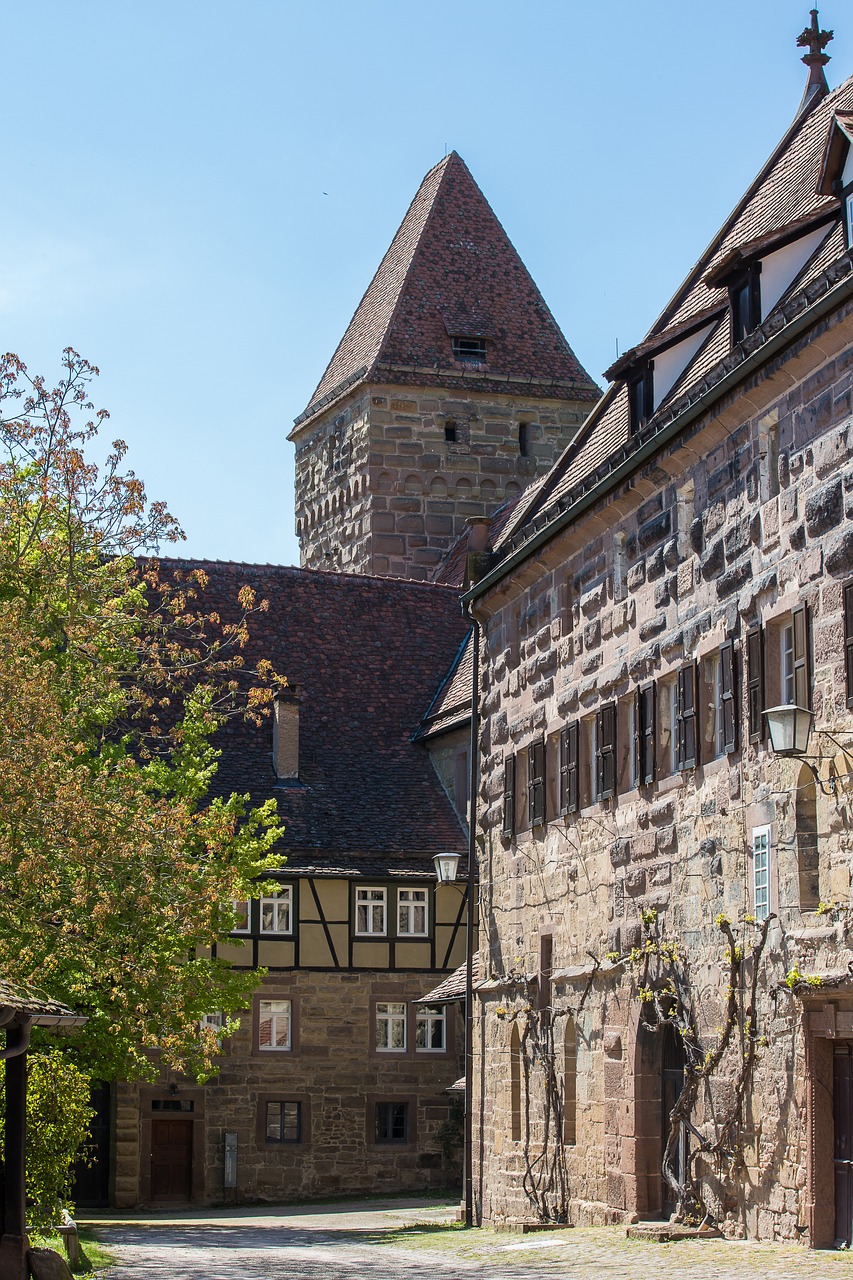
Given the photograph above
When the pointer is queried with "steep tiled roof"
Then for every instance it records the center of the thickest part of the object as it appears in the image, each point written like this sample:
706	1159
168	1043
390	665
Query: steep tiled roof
782	201
364	655
451	271
453	987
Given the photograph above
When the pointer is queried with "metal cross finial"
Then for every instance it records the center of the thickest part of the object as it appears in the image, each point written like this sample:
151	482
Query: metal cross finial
815	41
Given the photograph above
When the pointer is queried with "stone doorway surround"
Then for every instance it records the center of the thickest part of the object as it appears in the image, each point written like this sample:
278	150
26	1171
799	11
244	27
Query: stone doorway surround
825	1024
151	1093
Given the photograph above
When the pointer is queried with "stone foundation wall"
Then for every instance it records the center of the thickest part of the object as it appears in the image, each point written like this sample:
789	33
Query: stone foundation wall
746	518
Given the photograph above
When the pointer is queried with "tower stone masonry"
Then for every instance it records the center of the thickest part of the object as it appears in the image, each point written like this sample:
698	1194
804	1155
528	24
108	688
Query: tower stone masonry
452	389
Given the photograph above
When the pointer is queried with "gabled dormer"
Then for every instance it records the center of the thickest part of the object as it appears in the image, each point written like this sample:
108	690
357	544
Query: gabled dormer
652	369
836	175
758	273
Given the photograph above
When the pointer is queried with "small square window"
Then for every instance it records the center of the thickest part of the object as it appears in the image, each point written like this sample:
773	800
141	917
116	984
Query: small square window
412	912
370	906
283	1122
391	1026
276	911
275	1024
431	1029
469	350
392	1122
211	1021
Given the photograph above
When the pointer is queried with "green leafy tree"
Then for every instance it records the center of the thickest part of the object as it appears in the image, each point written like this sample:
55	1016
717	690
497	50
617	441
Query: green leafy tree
118	870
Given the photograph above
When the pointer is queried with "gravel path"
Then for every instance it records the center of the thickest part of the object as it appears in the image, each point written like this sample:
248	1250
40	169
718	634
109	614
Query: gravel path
349	1242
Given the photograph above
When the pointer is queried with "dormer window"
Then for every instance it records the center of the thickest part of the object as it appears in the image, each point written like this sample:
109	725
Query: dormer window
469	350
745	301
641	397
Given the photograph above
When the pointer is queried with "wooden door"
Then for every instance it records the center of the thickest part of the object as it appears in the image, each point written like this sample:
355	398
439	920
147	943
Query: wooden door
171	1159
672	1082
842	1109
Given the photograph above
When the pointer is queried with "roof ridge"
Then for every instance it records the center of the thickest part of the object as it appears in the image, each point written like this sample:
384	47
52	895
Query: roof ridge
320	574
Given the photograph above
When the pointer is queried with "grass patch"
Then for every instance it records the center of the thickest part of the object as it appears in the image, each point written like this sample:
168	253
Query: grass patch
96	1257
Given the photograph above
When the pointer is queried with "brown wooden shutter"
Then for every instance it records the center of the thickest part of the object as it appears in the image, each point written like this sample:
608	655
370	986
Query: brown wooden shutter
637	744
509	797
536	783
755	683
848	640
729	697
569	739
688	743
606	751
802	680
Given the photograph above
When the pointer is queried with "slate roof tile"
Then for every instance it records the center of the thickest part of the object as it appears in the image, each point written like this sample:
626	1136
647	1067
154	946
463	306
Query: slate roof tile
365	656
452	270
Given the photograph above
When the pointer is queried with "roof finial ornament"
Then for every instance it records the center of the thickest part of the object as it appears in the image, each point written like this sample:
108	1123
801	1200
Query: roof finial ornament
815	41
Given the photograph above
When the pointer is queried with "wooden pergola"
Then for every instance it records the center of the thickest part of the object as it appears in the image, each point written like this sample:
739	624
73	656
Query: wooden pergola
19	1012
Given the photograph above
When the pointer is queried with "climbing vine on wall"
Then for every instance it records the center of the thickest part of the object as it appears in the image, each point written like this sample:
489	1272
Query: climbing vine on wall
668	997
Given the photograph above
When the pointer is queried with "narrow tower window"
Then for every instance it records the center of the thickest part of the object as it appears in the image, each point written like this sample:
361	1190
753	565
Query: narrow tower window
524	439
450	431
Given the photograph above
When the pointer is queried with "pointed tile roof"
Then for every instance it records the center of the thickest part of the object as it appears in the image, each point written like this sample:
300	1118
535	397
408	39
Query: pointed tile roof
451	271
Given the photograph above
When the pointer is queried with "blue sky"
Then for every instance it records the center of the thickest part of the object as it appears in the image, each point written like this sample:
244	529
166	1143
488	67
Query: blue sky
198	192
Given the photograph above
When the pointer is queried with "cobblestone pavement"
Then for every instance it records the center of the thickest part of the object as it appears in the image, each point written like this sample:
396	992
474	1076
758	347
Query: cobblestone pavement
381	1240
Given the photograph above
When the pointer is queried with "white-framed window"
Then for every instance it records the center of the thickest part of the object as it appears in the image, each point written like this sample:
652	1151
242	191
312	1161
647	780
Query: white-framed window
276	911
391	1026
761	871
241	911
431	1028
370	911
412	911
275	1024
786	641
211	1021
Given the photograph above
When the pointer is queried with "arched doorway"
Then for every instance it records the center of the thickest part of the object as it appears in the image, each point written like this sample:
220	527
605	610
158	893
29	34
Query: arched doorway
658	1081
672	1082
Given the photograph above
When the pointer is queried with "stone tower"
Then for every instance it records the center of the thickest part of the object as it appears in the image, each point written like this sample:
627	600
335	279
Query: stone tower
450	391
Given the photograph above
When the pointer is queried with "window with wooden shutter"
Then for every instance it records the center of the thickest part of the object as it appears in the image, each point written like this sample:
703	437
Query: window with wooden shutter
755	683
688	742
848	641
536	783
728	698
645	734
509	797
569	791
606	752
802	679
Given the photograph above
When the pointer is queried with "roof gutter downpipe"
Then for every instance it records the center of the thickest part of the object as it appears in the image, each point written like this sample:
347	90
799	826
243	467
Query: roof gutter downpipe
478	560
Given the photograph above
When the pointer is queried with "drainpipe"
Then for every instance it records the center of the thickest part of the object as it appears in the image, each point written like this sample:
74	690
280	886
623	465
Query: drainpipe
477	563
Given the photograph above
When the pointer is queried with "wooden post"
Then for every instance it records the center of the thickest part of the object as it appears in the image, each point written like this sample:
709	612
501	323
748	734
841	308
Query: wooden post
13	1240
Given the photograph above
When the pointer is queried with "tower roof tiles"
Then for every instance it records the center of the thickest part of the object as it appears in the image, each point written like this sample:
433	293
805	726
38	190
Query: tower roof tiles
452	271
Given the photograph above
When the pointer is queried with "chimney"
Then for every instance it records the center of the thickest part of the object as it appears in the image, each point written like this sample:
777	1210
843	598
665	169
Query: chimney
479	556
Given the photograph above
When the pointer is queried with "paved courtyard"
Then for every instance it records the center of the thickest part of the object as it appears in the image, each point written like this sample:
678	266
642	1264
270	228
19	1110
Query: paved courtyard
382	1240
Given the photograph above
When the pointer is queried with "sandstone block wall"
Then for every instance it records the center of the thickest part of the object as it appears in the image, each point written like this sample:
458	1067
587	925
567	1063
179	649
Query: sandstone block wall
748	516
336	1072
381	489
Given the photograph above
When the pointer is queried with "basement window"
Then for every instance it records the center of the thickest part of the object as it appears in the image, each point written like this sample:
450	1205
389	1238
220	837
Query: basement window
469	350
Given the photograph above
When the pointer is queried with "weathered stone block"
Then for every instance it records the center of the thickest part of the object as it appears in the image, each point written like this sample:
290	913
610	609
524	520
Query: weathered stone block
824	508
734	579
654	531
653	626
636	575
712	563
838	557
655	565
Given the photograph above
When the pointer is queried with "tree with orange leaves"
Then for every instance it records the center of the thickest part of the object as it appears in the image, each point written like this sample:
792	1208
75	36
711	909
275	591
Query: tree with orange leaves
117	870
